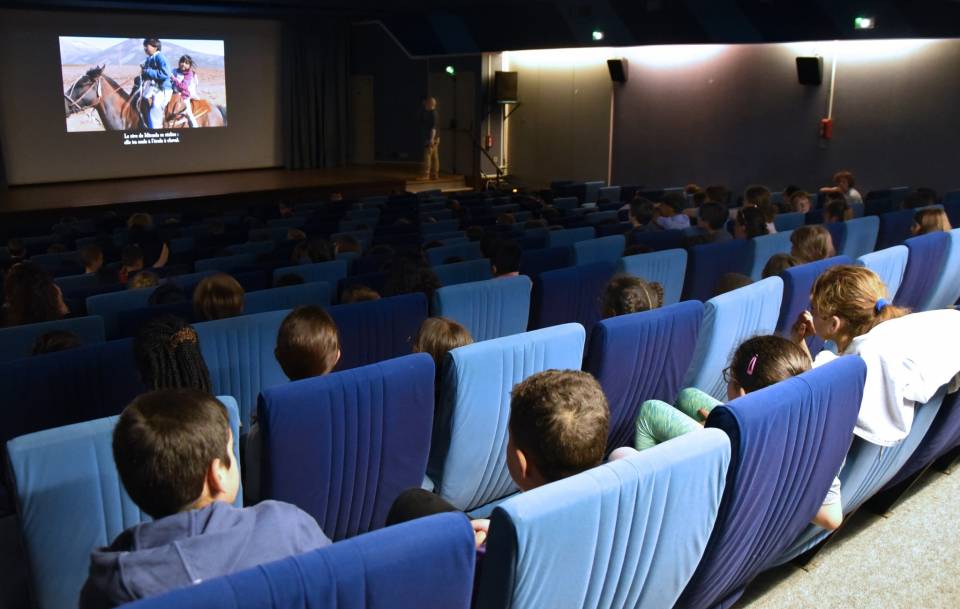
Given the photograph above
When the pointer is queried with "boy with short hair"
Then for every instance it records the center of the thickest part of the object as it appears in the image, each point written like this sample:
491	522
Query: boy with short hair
308	343
671	216
174	453
506	259
92	258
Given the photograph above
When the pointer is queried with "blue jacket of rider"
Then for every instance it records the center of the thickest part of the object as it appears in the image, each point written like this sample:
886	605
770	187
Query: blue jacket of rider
157	69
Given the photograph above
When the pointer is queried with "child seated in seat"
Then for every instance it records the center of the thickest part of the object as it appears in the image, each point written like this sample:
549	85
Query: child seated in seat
811	243
174	453
627	294
437	337
167	352
558	427
930	220
671	214
218	296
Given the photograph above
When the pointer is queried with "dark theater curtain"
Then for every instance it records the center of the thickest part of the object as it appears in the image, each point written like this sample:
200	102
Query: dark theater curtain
314	92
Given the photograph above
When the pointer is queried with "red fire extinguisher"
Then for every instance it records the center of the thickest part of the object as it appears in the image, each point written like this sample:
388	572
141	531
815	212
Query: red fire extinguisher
488	142
826	128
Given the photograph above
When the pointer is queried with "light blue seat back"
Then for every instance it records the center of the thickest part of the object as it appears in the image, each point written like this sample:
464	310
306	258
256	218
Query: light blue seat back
468	450
889	264
789	221
327	272
488	309
861	236
766	246
603	249
239	354
619	535
569	236
946	290
109	305
728	320
666	268
288	297
17	341
225	264
71	501
464	272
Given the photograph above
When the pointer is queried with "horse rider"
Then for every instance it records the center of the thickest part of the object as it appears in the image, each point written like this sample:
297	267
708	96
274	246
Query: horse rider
156	70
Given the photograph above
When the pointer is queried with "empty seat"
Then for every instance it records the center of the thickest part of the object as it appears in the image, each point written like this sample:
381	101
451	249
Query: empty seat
890	265
643	561
619	228
610	193
946	290
464	272
603	249
766	246
488	309
659	240
467	251
728	320
468	449
894	228
666	268
639	357
18	341
71	501
789	221
327	272
536	261
787	442
225	264
860	236
110	304
396	568
565	202
925	266
377	330
570	295
569	236
342	447
74	283
601	217
288	297
706	263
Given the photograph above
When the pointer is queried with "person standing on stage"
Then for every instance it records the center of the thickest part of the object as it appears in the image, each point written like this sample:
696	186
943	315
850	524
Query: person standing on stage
430	136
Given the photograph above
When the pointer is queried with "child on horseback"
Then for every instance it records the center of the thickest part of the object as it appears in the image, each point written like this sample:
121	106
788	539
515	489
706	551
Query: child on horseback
184	79
156	70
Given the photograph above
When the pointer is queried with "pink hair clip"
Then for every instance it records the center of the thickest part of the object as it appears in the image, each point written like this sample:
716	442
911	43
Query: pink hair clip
751	365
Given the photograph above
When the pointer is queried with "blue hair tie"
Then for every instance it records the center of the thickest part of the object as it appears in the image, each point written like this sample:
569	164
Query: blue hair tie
882	303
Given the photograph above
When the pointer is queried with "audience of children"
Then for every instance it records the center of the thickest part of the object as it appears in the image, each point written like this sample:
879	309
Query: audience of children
712	221
625	294
750	223
438	336
844	183
167	352
670	212
837	210
930	220
143	279
810	243
218	297
799	202
31	296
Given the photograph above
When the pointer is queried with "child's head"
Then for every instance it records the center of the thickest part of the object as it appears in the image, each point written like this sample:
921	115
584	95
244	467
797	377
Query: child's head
143	279
762	361
750	223
506	258
438	336
358	293
16	248
56	340
31	295
641	211
672	204
218	297
140	220
778	263
151	46
800	202
756	196
92	258
627	294
837	210
713	217
811	243
174	452
167	351
346	243
930	220
559	421
844	180
132	257
186	63
729	282
308	343
717	193
848	301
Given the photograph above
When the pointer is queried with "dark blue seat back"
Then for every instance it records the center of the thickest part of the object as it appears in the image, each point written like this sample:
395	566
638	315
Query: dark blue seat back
659	240
706	263
787	443
639	357
342	447
894	228
18	341
376	330
797	283
288	297
536	261
570	295
130	322
925	264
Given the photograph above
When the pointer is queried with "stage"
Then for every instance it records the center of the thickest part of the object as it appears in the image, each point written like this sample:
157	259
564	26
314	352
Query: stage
355	181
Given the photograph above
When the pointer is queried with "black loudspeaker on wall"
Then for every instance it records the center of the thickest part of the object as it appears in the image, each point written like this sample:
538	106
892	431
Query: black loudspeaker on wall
618	69
810	70
505	87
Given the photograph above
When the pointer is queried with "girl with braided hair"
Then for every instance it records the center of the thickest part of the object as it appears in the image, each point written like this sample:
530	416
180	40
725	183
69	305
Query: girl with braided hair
626	294
168	355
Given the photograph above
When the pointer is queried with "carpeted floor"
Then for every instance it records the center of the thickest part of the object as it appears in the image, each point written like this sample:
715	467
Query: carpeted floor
908	559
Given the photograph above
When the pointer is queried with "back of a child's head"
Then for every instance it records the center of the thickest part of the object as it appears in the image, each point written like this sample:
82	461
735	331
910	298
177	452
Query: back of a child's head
218	297
811	243
762	361
308	343
164	444
674	200
91	256
560	420
753	222
56	340
729	282
346	243
931	220
642	210
627	294
358	293
837	209
167	351
856	295
438	336
846	176
756	196
717	193
143	279
778	263
167	293
31	295
714	215
506	257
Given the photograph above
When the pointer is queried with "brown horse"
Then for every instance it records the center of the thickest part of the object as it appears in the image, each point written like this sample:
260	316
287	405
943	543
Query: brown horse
205	113
116	108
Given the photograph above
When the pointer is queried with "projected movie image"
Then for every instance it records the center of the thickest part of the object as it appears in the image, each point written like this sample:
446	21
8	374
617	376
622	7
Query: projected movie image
142	85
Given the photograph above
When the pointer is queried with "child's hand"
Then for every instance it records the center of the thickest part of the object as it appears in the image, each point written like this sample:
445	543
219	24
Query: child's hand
703	416
481	527
803	327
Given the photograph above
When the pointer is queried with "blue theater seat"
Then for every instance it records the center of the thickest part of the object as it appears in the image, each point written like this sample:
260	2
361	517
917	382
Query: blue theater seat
603	249
464	272
488	309
946	290
467	251
890	265
130	322
789	221
639	357
536	261
797	283
611	193
467	455
570	295
766	246
942	436
189	281
728	320
377	330
17	341
894	228
225	264
441	226
666	268
925	266
569	236
288	297
860	236
256	248
659	240
71	501
787	442
74	283
565	202
328	272
557	546
706	263
619	228
109	305
428	562
342	447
